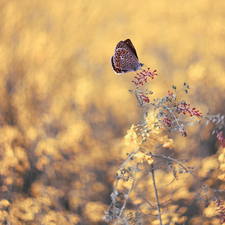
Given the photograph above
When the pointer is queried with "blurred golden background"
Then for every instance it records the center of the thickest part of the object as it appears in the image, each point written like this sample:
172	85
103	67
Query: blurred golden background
64	112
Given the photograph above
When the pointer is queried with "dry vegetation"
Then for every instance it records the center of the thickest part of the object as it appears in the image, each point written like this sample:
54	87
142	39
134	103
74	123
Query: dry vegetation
64	113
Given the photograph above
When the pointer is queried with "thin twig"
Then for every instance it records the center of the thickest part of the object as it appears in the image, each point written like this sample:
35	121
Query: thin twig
156	194
130	157
127	196
184	167
167	184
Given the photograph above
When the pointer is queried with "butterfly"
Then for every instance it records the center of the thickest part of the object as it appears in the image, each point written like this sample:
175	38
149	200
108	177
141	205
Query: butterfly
125	58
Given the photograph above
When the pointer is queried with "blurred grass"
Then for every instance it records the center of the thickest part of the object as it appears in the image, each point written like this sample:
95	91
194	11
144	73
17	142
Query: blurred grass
63	110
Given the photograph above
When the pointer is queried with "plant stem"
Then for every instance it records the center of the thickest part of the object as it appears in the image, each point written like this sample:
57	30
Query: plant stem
156	194
140	105
127	196
183	166
142	113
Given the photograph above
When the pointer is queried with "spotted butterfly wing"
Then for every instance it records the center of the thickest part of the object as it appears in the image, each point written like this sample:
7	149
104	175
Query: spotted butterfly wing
131	46
121	44
117	70
125	58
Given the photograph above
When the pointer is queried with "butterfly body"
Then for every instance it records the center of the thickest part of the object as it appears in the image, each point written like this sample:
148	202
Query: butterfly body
125	58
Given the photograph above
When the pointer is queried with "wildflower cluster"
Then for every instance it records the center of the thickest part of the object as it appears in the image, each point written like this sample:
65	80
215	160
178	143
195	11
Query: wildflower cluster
143	76
140	79
167	121
167	111
147	136
169	95
221	138
185	108
220	209
144	98
183	132
218	123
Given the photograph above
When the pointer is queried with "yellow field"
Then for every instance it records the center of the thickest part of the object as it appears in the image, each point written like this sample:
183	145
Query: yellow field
64	112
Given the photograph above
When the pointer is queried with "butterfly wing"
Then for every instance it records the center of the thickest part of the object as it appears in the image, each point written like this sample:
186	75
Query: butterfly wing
124	61
131	46
120	45
125	58
118	71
